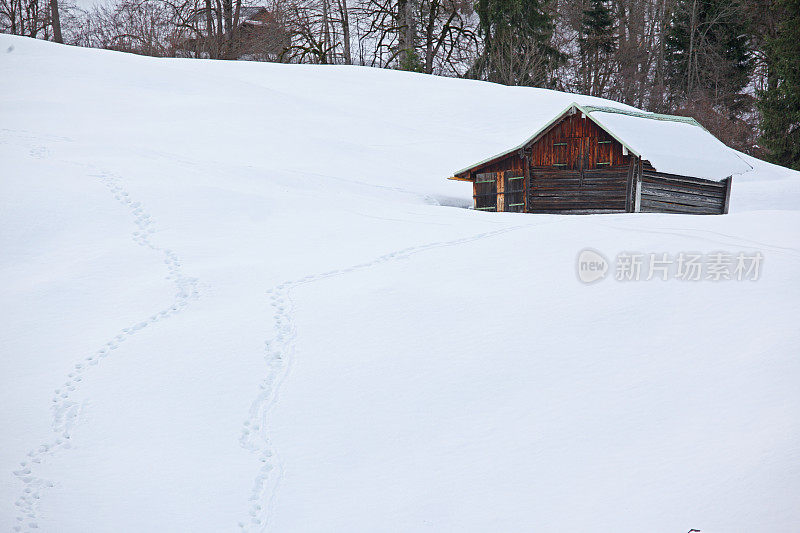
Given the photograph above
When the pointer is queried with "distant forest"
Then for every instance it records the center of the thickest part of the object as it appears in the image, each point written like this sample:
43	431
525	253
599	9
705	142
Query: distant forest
734	65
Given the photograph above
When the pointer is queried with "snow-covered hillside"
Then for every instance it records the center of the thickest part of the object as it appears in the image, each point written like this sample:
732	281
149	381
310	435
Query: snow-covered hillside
244	296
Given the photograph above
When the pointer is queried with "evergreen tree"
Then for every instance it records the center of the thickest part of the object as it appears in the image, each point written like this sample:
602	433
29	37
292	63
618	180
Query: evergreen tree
707	53
517	42
597	42
780	102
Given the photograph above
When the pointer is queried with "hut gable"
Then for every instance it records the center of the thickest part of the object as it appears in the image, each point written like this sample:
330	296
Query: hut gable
574	141
577	163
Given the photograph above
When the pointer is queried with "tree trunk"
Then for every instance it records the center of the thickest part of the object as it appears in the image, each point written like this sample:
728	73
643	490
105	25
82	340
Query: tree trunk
227	10
343	13
55	19
433	11
326	34
219	33
232	41
209	28
692	30
405	31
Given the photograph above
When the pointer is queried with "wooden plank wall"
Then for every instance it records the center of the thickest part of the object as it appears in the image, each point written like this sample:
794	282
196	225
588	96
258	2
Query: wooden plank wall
573	138
509	162
669	193
553	190
567	142
573	149
576	167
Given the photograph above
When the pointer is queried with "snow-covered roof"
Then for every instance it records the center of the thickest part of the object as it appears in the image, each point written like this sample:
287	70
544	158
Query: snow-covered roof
672	144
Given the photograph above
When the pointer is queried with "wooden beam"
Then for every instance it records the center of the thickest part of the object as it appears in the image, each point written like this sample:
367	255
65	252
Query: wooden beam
500	177
686	179
630	186
474	195
727	203
526	161
637	206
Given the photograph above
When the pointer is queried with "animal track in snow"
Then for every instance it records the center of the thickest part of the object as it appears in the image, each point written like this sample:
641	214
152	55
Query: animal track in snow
66	411
277	354
38	152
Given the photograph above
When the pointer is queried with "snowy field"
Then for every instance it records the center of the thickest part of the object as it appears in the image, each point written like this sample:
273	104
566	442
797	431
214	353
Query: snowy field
243	296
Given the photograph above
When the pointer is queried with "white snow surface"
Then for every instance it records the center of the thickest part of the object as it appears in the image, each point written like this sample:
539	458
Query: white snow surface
242	296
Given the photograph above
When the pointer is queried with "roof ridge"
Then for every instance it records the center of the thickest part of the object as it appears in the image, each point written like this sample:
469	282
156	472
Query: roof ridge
642	114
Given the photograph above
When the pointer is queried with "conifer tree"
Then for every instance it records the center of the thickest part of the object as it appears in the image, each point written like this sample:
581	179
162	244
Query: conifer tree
517	42
597	44
780	102
707	53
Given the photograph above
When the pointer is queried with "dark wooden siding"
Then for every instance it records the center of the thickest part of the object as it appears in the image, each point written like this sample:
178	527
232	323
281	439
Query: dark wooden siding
577	167
668	193
485	191
514	191
509	162
576	142
554	190
500	191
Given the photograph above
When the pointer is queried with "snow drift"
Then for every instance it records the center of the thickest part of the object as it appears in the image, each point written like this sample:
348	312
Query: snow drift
241	296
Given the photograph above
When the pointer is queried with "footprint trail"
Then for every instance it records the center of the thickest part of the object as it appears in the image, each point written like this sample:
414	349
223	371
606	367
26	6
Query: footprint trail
278	352
65	409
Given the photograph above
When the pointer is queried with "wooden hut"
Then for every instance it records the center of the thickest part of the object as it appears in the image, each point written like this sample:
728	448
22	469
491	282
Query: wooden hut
260	34
591	159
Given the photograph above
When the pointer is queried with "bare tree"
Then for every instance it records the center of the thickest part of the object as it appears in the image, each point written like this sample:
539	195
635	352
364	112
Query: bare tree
55	20
450	38
137	26
344	18
25	17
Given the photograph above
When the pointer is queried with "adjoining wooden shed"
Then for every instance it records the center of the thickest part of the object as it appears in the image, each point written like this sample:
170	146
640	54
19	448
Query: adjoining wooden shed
592	159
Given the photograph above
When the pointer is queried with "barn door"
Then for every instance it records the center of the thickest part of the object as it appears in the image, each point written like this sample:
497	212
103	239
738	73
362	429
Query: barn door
514	189
486	191
578	153
579	156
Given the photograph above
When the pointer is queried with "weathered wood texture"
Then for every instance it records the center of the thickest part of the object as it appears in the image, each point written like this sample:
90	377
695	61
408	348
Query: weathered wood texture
500	191
574	143
728	185
514	191
669	193
509	162
553	190
577	167
573	149
485	191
